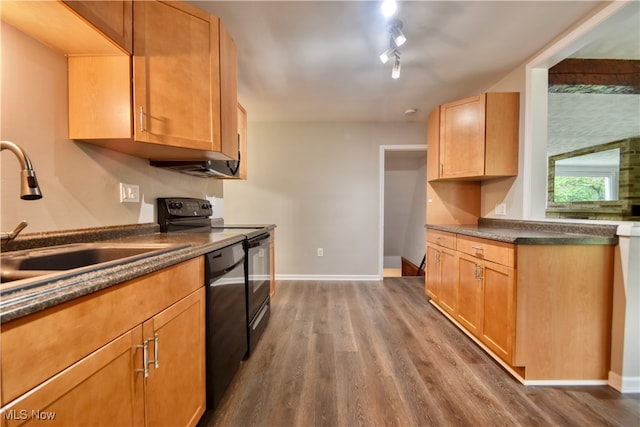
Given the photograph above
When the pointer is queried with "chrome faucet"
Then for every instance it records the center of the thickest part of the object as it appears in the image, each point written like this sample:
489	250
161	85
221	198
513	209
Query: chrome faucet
29	189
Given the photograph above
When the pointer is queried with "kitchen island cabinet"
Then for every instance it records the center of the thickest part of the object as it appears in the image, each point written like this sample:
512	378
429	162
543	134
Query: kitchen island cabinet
541	309
86	358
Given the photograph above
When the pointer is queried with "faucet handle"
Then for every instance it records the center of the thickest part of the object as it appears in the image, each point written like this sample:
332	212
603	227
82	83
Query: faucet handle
13	234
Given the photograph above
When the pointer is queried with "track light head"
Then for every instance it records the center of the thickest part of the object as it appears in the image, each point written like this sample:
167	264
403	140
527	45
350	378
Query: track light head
388	54
395	29
395	72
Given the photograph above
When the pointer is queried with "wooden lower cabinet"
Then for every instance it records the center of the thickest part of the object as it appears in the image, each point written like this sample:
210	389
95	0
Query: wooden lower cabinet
175	387
543	311
498	309
103	388
470	290
441	276
163	311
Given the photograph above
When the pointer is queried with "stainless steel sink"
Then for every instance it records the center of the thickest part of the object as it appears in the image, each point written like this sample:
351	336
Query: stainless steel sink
76	258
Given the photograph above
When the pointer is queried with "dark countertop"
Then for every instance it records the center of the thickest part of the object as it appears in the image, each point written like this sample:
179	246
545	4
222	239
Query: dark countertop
535	232
55	289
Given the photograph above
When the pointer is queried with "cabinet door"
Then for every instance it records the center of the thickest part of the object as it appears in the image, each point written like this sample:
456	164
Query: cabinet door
175	74
498	325
227	110
242	141
448	285
470	293
462	131
175	388
104	387
432	272
113	18
433	144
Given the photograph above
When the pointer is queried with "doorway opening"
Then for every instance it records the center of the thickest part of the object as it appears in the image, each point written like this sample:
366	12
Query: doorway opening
402	209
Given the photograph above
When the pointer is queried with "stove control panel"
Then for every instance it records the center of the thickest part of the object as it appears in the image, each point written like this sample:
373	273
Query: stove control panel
182	207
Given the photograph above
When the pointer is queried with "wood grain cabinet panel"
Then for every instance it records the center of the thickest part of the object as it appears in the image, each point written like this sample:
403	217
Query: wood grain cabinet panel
498	309
66	350
182	104
242	141
543	311
175	387
112	18
441	275
478	138
470	293
102	387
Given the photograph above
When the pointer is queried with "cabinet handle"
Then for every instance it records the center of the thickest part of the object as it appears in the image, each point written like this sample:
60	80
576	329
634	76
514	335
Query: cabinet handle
145	358
441	169
478	272
141	116
479	250
437	256
156	351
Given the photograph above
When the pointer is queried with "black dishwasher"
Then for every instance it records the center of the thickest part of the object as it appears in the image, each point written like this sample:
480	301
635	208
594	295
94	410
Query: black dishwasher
226	318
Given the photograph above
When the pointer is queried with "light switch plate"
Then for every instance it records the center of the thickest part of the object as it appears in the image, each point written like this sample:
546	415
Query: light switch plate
501	209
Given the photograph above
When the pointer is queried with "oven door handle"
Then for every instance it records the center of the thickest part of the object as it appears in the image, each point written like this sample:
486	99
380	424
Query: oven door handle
254	243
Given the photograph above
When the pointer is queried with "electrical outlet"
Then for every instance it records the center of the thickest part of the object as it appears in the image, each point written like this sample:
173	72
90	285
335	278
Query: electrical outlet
501	209
129	193
320	252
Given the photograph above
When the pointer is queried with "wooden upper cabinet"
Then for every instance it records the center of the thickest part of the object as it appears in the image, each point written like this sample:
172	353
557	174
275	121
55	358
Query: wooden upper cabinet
228	84
112	18
70	27
433	144
183	101
242	141
478	138
173	71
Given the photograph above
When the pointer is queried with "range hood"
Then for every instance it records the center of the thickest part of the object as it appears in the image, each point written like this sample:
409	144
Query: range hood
201	168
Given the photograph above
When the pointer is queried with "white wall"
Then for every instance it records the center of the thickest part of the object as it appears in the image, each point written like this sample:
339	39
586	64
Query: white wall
79	182
319	183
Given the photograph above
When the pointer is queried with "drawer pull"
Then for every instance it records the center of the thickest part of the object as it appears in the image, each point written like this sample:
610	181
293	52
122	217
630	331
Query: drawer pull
478	248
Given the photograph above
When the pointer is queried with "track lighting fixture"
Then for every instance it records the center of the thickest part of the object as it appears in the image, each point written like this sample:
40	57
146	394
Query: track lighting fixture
396	39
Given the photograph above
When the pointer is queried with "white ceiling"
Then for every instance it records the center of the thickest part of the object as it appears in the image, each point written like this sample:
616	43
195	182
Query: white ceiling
318	60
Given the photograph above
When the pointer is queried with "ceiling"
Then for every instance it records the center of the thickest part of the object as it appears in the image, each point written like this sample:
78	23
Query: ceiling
318	60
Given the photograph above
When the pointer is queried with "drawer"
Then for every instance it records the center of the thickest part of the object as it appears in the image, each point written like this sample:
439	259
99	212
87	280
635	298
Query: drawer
490	250
442	238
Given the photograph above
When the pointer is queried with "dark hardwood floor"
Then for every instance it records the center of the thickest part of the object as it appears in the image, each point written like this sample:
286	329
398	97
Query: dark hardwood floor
378	354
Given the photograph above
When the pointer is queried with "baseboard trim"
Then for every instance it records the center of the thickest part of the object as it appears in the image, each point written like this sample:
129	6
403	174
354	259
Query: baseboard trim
624	384
327	277
564	383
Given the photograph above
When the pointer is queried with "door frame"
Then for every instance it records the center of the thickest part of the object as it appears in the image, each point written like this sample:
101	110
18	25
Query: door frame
383	150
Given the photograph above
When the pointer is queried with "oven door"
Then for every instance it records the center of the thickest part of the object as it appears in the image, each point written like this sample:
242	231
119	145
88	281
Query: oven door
258	274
